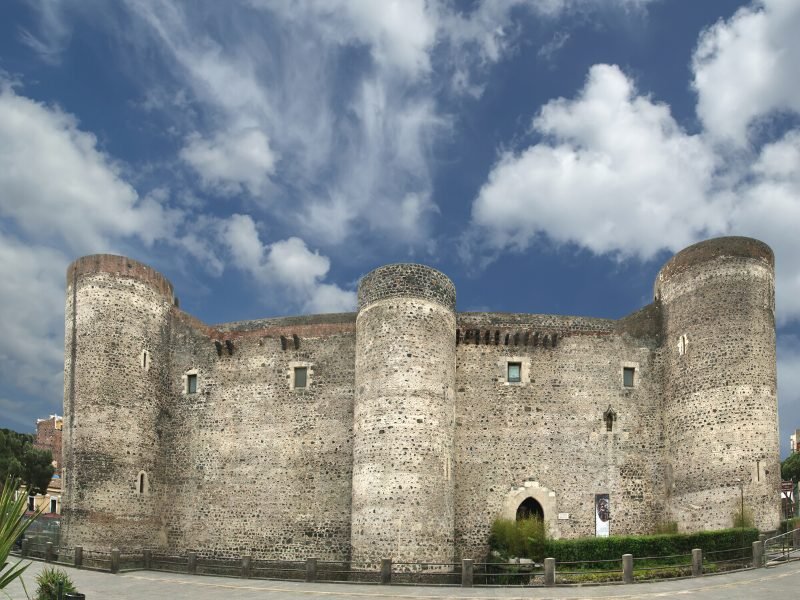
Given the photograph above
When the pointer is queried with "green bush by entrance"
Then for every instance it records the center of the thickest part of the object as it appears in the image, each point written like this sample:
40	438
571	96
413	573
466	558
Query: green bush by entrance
588	549
526	539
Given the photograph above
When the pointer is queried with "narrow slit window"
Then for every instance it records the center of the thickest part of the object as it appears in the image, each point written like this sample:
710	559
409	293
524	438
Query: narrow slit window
191	383
31	502
628	376
141	483
514	372
300	377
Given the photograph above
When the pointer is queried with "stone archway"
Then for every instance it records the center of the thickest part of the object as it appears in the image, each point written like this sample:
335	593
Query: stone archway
530	509
545	498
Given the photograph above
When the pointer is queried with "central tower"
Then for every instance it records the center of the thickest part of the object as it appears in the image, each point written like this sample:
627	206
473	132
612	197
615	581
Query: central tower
403	422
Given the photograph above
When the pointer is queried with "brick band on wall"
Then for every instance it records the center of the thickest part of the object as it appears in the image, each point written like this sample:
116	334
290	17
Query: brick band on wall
406	280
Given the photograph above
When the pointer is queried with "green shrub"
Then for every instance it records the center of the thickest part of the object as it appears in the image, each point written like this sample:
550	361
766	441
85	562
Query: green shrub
525	538
47	584
612	548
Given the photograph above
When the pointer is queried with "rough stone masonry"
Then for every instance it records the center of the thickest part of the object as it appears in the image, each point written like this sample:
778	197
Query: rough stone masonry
405	429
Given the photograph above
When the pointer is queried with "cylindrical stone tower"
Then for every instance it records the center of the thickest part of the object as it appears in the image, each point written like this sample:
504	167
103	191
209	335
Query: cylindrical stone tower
720	407
404	416
115	382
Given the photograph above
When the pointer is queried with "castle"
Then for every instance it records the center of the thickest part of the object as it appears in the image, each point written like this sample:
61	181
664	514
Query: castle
403	430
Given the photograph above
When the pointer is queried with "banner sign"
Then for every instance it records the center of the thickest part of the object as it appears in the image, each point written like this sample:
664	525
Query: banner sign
602	512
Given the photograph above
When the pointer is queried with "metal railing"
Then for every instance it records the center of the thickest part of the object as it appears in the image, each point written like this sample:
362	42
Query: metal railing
466	573
783	547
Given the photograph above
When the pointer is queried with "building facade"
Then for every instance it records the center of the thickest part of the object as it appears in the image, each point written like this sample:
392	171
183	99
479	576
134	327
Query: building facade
404	429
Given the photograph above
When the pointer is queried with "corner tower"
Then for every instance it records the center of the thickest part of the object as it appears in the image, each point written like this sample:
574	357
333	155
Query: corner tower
720	414
404	416
116	376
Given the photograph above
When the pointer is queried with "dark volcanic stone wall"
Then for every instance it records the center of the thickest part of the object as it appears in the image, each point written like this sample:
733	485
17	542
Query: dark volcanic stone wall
720	413
259	467
404	418
406	280
409	440
545	437
116	310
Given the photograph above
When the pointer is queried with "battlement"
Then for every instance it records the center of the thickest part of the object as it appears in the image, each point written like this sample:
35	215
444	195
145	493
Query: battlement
406	280
120	266
708	250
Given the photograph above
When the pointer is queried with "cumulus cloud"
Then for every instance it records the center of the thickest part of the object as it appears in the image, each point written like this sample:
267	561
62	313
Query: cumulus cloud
231	160
615	174
285	264
58	185
61	196
745	68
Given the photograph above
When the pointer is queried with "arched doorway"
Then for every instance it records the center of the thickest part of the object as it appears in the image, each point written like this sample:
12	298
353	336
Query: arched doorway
530	509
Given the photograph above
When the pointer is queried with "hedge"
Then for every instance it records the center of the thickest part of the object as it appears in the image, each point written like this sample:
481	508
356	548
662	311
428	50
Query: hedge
605	548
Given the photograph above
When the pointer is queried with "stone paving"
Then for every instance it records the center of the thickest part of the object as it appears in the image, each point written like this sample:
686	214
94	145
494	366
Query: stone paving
775	582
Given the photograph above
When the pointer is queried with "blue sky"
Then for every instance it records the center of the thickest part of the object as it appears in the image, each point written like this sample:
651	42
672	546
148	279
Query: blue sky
548	155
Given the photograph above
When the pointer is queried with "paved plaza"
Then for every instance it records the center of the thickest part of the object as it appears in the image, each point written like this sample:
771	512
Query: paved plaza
774	582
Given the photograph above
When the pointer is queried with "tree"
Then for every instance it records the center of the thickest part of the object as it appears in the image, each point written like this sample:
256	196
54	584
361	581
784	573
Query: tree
790	468
19	459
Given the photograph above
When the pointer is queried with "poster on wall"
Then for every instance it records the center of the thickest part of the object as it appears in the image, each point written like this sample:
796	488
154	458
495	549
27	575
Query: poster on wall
602	512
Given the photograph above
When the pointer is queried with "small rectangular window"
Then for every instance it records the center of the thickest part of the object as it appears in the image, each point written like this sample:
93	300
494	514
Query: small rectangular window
300	377
514	372
627	376
191	384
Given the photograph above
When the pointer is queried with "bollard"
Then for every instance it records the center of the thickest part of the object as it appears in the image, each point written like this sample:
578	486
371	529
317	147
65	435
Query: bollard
627	568
386	571
549	571
77	559
246	562
758	554
60	590
115	560
191	565
48	552
467	572
147	558
26	547
311	570
697	562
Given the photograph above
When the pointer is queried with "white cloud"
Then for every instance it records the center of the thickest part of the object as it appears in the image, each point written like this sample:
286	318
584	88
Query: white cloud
57	184
746	68
616	174
767	206
398	33
285	263
231	160
55	31
32	318
60	196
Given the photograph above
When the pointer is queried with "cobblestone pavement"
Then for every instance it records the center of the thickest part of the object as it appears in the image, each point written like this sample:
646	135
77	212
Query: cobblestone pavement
774	582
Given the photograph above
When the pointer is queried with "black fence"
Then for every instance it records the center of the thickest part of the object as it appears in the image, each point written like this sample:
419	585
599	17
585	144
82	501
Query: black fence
467	573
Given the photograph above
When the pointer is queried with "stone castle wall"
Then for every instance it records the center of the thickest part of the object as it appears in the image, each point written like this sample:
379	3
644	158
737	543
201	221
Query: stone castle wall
408	440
